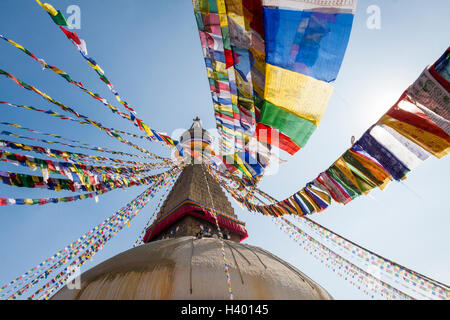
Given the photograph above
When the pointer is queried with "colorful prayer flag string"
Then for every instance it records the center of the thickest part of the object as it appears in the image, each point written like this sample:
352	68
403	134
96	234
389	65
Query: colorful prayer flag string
75	157
407	134
344	268
85	174
113	224
421	285
62	117
81	47
140	240
82	145
416	284
222	244
68	109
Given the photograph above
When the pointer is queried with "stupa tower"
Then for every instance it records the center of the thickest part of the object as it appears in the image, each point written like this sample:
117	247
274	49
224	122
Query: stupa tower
195	198
181	257
188	210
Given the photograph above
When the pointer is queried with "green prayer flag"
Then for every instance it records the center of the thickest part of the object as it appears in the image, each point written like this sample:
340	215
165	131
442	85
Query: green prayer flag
206	6
351	160
59	19
226	38
66	76
296	128
349	187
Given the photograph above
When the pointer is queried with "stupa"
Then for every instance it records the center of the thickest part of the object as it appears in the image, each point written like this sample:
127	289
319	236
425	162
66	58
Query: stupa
182	259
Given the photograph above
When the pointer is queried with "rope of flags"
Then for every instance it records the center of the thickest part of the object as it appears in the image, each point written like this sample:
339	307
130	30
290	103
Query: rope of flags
222	244
43	201
80	44
269	65
67	78
68	109
84	247
345	269
140	240
82	145
155	136
75	156
82	176
414	128
75	185
418	283
86	175
59	19
89	254
63	117
332	249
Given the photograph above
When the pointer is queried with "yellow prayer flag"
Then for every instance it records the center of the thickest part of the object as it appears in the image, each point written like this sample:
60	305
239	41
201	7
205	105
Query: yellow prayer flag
342	166
241	165
244	87
224	108
322	195
378	172
16	45
221	68
260	60
385	184
222	11
237	15
437	146
57	70
147	129
281	210
210	73
297	207
49	8
96	67
299	94
31	165
310	201
223	20
234	100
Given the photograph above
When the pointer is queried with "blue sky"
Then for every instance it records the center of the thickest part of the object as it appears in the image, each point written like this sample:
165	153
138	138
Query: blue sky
151	52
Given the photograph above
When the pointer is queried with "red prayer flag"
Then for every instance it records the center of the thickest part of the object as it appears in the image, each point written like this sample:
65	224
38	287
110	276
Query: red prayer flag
229	61
411	114
71	35
267	135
